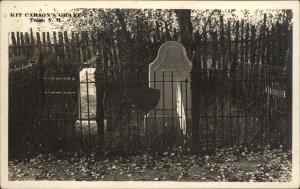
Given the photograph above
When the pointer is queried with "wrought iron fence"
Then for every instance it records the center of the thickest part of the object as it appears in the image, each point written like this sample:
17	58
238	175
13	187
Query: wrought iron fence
240	92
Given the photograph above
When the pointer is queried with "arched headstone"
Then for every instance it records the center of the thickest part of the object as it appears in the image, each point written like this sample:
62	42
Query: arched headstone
169	73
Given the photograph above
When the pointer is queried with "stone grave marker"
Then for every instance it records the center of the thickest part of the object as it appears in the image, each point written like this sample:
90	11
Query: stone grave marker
87	89
172	57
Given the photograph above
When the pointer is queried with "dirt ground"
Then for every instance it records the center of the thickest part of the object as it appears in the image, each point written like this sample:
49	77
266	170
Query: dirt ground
224	165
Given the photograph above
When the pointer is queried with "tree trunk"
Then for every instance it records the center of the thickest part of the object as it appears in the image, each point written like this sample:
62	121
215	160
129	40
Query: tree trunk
185	29
123	25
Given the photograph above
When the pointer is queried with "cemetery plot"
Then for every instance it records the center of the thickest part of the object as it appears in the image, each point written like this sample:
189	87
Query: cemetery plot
153	95
134	91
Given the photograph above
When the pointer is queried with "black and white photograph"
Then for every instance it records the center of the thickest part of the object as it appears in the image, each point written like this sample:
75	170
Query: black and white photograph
168	92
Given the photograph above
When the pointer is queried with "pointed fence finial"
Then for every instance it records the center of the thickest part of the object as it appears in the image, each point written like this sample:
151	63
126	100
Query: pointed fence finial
99	65
195	63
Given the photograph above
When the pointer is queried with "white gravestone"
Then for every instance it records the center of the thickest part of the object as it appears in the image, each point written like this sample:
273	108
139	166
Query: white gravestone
87	94
87	88
172	58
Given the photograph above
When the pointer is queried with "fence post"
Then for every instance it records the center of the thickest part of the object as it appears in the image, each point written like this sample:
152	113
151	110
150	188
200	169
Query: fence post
100	83
289	91
195	88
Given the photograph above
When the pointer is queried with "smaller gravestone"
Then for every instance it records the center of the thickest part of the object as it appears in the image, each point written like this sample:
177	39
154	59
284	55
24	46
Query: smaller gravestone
168	74
87	101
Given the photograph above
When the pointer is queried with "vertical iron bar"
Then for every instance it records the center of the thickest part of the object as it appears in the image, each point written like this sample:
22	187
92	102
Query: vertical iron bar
56	110
62	99
222	110
39	109
88	108
238	112
23	104
80	113
49	128
181	107
172	107
163	82
186	101
206	118
247	101
137	110
214	110
230	111
155	126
